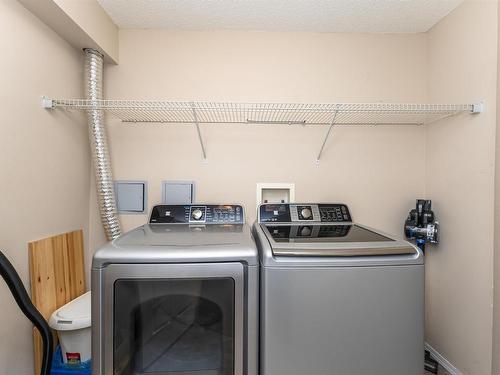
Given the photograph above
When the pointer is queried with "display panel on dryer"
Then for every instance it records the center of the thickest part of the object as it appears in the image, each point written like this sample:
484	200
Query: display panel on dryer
197	214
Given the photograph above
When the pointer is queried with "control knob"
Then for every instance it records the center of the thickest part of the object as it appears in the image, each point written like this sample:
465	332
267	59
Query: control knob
197	214
306	213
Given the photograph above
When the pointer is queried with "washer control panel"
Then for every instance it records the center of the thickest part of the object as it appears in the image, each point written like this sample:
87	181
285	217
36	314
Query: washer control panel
197	214
306	212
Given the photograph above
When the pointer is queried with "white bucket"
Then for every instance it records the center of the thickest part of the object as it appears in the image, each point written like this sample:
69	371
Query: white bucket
73	325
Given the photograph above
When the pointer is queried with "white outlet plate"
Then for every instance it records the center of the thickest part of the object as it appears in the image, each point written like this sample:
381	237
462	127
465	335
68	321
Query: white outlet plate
277	191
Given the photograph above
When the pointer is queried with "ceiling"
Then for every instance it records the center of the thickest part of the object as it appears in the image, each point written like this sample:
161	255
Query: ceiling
378	16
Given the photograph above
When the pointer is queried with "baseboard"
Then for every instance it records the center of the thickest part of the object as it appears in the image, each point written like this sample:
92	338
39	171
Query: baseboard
447	365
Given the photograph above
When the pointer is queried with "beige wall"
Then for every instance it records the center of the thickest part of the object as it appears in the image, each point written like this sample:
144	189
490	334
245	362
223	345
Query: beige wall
44	159
364	167
496	273
460	181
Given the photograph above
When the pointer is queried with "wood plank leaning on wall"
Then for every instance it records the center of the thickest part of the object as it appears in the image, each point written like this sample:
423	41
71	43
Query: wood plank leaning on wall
57	276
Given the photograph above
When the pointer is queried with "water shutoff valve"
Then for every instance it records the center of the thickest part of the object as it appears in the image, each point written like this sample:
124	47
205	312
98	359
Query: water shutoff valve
421	224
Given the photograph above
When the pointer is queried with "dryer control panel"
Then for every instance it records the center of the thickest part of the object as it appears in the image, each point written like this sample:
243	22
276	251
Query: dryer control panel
197	214
304	212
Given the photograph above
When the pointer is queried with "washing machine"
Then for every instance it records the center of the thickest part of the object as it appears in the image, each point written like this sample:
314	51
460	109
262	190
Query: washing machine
337	298
178	296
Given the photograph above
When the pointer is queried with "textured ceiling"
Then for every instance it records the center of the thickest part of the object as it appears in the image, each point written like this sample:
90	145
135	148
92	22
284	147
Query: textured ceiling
384	16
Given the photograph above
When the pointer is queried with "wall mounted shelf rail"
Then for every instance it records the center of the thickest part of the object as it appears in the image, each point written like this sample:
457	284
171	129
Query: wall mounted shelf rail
337	114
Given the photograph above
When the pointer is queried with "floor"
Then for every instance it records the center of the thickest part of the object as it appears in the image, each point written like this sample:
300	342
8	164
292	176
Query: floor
442	371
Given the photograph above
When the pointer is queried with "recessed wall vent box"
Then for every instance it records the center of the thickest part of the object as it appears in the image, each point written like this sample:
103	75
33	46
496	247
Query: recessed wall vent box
275	193
177	192
131	197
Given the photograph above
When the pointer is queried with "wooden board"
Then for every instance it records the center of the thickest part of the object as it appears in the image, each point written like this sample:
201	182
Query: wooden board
57	276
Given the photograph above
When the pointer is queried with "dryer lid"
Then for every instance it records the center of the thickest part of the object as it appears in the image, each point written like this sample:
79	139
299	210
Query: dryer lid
180	243
183	235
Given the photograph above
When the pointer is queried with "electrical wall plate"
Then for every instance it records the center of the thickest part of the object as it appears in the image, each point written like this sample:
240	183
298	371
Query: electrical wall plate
275	193
131	196
177	192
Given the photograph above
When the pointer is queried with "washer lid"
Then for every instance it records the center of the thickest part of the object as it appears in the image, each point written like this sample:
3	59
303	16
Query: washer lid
340	240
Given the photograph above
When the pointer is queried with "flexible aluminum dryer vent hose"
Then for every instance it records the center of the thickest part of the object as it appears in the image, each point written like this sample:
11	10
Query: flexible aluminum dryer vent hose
99	145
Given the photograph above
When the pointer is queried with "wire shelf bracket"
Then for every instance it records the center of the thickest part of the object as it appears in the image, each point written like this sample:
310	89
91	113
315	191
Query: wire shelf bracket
337	114
327	135
195	118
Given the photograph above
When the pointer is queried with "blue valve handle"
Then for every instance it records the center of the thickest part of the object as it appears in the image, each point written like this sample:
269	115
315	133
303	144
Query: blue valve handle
421	243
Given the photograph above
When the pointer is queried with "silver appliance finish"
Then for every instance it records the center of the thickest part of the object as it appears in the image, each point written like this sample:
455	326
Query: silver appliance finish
179	251
330	314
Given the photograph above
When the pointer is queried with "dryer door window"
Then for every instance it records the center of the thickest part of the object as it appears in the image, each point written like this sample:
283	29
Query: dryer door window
174	326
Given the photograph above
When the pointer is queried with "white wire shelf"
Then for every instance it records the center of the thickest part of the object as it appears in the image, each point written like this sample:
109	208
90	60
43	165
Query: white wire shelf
338	114
267	113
